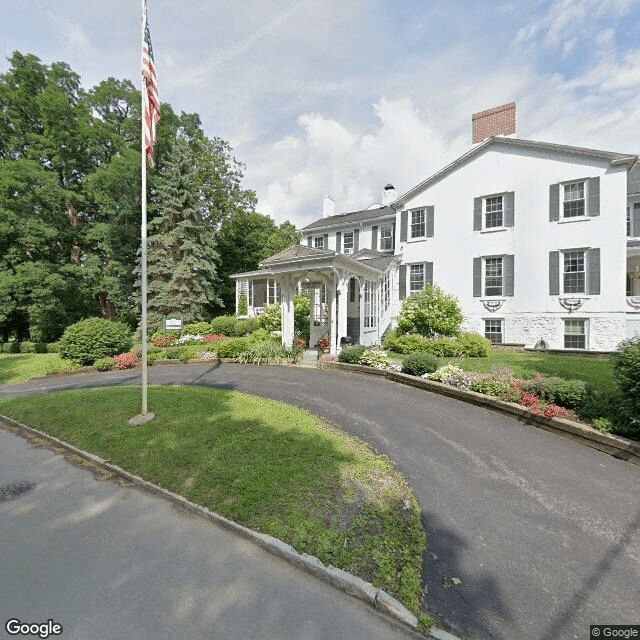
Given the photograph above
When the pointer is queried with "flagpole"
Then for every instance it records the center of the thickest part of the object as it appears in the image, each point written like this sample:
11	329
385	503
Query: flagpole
144	416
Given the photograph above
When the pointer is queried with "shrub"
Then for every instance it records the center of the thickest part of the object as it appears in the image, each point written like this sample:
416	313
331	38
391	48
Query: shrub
351	355
449	374
554	411
603	424
443	347
41	347
197	328
190	353
473	345
260	334
490	386
127	360
56	366
232	347
263	352
189	339
174	353
430	313
26	346
245	327
164	341
88	340
15	347
104	364
271	318
164	333
570	394
301	311
417	364
53	347
243	305
374	358
626	373
405	343
154	356
223	324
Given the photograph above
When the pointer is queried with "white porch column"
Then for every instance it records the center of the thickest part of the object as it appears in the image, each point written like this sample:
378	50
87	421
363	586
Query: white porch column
333	325
288	291
343	299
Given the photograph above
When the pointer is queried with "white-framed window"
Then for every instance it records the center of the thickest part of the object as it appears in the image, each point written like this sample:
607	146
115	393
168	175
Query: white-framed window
493	217
352	290
573	272
493	328
385	293
573	199
274	293
386	237
418	223
347	242
575	333
250	294
493	276
370	305
416	278
318	242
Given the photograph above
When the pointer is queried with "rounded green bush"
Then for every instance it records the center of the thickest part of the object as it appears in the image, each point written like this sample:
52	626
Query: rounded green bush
352	355
15	347
94	338
626	373
430	312
224	325
245	327
232	347
53	347
473	345
417	364
197	329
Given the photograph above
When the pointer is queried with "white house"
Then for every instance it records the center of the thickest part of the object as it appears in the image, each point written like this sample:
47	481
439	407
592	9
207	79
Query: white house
539	242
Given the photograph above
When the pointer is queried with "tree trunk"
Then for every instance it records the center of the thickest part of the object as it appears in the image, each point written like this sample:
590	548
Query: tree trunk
107	308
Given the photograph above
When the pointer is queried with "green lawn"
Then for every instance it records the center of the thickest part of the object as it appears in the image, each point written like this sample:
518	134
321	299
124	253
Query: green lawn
598	371
266	465
21	367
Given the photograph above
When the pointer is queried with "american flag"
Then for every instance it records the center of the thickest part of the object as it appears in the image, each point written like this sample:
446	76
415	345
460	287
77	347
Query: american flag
151	102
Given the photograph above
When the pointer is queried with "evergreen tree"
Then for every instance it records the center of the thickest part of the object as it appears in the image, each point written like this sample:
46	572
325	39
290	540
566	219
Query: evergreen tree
181	272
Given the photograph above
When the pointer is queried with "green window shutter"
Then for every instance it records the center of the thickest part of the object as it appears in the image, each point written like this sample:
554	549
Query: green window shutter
356	240
477	214
325	241
507	276
339	241
477	277
309	241
374	238
593	191
508	209
554	273
402	281
404	224
554	202
428	273
635	220
593	265
430	216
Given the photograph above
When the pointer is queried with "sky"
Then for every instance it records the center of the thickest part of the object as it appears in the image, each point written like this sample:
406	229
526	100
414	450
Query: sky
328	97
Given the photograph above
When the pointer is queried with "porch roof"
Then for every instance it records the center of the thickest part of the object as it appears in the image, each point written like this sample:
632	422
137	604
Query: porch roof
300	258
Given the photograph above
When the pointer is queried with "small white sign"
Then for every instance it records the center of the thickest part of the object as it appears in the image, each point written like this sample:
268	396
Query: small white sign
173	324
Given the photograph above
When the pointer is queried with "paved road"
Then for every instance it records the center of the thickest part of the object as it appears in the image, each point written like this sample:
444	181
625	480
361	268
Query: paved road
114	563
542	533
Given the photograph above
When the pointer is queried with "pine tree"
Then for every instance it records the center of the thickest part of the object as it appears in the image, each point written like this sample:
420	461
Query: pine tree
181	272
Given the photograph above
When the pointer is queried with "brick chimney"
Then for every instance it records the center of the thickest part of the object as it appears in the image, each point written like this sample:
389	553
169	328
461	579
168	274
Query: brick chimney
499	121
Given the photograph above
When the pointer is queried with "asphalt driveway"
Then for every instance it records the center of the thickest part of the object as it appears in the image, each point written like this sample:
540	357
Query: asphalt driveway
530	536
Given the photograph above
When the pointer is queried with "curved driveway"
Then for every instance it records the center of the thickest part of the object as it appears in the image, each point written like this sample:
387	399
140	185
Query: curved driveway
530	536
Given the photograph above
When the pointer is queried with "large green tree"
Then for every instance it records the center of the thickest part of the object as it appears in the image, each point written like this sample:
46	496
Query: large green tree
182	259
245	239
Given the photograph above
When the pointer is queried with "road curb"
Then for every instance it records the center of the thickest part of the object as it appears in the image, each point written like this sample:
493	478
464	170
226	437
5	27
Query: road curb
616	446
340	579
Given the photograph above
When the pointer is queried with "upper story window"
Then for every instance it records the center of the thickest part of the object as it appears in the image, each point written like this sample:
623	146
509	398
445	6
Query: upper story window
573	199
493	276
574	272
347	242
493	212
418	223
386	237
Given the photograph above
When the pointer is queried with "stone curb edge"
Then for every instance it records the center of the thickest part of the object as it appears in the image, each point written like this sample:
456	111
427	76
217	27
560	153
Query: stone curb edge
616	446
342	580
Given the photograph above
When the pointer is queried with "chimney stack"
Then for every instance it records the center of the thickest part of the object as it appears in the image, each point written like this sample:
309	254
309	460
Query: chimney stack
328	206
499	121
388	194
